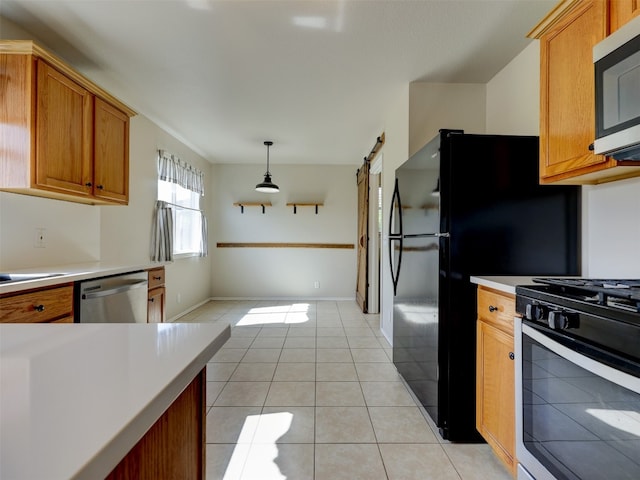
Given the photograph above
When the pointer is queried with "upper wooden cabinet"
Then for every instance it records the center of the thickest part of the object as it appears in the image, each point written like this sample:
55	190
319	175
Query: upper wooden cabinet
621	11
76	145
111	153
567	92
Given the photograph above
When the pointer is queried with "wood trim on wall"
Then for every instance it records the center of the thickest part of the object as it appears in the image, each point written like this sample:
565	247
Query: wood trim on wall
285	245
553	17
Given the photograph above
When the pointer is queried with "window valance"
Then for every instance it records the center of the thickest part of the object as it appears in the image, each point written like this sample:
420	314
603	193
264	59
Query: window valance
172	169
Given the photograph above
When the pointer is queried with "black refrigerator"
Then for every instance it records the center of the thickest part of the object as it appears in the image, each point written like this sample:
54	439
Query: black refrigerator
467	205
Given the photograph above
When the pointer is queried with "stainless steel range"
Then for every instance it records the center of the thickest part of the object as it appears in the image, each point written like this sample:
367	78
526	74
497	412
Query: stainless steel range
578	379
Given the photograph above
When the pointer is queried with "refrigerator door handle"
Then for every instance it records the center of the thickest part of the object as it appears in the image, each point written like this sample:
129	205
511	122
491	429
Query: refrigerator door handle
426	235
395	201
395	273
395	237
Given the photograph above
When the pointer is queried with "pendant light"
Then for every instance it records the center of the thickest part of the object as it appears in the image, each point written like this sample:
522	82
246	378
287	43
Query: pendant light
267	186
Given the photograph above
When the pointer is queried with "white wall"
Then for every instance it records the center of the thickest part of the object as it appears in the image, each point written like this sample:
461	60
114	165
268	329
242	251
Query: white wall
610	212
396	151
284	272
72	232
434	106
513	95
611	229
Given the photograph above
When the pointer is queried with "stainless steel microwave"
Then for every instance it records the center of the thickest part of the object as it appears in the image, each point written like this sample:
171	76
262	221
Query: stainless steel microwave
617	93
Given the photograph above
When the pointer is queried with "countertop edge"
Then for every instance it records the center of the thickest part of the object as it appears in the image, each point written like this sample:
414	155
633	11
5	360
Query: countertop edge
111	455
506	284
72	273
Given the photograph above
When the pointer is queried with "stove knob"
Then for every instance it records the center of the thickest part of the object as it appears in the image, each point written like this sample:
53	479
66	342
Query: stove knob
534	312
559	320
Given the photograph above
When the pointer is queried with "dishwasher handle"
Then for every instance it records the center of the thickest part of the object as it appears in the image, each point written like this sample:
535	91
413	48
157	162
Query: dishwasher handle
112	291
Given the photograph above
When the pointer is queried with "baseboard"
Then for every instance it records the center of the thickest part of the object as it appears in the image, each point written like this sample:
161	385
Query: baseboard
189	310
288	299
275	299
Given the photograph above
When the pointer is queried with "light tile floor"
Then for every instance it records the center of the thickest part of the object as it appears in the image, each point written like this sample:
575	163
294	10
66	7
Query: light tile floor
307	390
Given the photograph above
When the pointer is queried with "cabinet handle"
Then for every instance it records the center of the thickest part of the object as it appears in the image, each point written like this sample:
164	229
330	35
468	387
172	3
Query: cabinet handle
99	187
157	278
38	308
88	184
511	355
152	299
492	308
592	147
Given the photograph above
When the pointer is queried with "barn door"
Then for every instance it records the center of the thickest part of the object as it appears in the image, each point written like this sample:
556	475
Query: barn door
362	287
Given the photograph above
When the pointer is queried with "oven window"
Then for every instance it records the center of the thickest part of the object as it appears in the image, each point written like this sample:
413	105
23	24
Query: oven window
577	424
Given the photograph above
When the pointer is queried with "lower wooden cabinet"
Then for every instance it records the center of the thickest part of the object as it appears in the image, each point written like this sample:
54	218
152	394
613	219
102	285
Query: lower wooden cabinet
174	447
156	296
53	304
495	374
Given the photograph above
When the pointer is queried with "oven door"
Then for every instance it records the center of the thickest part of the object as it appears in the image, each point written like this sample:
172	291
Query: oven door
577	409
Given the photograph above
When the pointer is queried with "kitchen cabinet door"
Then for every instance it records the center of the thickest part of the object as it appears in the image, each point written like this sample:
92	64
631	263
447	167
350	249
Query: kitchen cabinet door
567	92
495	374
111	153
155	308
157	295
495	402
621	11
64	128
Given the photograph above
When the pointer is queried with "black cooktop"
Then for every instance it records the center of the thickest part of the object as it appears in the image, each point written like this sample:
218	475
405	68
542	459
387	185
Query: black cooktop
609	297
602	312
605	290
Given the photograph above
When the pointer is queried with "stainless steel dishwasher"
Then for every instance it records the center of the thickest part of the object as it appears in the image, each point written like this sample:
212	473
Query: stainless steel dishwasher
114	299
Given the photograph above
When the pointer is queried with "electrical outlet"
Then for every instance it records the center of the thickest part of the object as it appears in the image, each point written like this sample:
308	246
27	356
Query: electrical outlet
40	239
316	284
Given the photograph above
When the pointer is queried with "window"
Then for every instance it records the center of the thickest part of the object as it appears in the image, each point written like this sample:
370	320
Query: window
181	227
187	217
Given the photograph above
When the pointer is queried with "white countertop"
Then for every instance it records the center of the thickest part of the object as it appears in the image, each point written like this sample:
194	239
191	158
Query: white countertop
505	284
75	398
71	273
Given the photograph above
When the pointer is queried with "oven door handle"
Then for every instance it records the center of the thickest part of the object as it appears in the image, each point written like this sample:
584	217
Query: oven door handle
609	373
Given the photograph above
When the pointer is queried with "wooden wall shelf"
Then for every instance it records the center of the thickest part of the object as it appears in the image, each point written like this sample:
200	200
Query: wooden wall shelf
252	204
295	206
349	246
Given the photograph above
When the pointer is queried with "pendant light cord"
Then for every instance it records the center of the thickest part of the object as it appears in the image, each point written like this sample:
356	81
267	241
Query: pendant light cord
268	143
268	159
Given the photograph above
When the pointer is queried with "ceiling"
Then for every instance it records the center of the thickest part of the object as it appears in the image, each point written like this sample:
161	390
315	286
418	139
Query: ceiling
315	77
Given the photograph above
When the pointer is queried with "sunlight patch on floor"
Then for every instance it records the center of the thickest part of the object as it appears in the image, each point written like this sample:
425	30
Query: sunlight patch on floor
263	460
294	313
296	318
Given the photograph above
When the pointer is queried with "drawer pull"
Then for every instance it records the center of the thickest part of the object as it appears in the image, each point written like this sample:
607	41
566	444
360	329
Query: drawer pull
38	308
492	308
511	355
157	278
